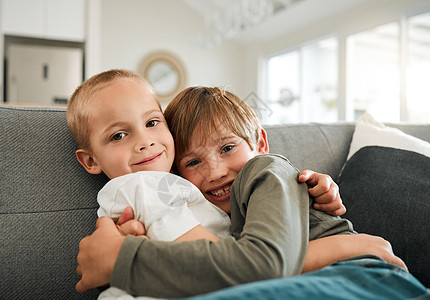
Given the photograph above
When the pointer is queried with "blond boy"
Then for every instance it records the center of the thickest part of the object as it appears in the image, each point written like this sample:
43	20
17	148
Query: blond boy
120	131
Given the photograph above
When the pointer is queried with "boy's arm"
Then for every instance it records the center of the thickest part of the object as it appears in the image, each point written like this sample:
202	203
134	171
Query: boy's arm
197	233
127	225
321	252
271	243
325	251
324	191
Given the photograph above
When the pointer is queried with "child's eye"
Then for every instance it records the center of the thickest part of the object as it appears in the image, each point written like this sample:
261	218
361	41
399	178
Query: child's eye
192	163
118	136
152	123
227	148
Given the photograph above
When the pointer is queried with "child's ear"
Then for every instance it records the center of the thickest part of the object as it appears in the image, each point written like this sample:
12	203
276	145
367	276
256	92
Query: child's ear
87	161
262	144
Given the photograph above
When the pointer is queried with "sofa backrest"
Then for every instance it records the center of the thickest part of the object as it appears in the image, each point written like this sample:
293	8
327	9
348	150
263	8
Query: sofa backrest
324	147
48	203
319	147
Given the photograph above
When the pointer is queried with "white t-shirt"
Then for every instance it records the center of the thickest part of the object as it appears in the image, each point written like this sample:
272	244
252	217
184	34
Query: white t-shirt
167	204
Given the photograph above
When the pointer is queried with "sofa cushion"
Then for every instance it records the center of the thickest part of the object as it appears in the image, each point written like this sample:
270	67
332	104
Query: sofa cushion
369	132
385	191
48	203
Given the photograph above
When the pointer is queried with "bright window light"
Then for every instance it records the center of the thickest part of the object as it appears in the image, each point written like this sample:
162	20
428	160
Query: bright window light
302	84
418	69
373	73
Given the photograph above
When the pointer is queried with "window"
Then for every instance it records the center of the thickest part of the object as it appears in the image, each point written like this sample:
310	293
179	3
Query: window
418	69
302	84
283	92
373	73
319	81
385	70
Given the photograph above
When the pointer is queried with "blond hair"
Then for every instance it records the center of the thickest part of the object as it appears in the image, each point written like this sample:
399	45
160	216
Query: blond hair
79	105
198	111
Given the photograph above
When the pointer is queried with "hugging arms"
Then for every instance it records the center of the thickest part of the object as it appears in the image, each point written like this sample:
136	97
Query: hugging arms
142	267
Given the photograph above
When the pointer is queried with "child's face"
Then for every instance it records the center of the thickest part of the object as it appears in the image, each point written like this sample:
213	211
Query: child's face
128	132
212	166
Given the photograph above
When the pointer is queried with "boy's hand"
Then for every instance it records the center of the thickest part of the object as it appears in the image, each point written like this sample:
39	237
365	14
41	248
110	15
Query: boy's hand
327	250
378	246
325	192
127	225
97	255
98	252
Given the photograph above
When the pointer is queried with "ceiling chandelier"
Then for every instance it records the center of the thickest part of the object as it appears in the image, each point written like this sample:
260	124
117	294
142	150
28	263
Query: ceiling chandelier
231	18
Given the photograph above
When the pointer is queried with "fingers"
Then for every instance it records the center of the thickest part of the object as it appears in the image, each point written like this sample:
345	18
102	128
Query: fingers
325	192
97	255
305	175
327	197
126	225
386	251
399	262
325	203
132	227
322	185
81	286
338	212
104	221
319	183
328	208
127	215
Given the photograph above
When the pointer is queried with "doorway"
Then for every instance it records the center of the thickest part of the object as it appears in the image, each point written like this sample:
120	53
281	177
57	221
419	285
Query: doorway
41	72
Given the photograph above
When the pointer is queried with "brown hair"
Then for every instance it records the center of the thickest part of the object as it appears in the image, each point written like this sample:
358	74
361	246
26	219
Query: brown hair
198	111
79	108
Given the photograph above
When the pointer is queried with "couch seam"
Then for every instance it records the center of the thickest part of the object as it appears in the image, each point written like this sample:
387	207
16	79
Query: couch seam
48	211
325	138
34	108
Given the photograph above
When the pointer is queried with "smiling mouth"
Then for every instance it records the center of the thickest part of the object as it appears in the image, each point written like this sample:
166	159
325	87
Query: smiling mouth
221	191
149	159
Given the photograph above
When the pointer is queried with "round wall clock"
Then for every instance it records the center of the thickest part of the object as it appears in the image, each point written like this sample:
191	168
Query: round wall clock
165	72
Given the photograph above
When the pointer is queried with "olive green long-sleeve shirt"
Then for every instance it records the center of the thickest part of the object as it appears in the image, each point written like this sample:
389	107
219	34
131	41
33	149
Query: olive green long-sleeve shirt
272	221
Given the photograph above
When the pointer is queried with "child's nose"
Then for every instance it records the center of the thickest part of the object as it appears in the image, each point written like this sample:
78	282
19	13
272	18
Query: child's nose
143	147
143	143
216	170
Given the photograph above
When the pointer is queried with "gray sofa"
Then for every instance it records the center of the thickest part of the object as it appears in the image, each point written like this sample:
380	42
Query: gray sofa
48	202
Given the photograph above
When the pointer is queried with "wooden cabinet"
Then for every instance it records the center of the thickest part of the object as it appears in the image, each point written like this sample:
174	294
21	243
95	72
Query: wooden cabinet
47	19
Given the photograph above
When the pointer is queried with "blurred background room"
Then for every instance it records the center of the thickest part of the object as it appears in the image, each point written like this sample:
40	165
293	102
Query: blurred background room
291	60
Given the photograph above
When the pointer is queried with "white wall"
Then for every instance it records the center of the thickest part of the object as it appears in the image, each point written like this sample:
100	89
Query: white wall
119	33
130	29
